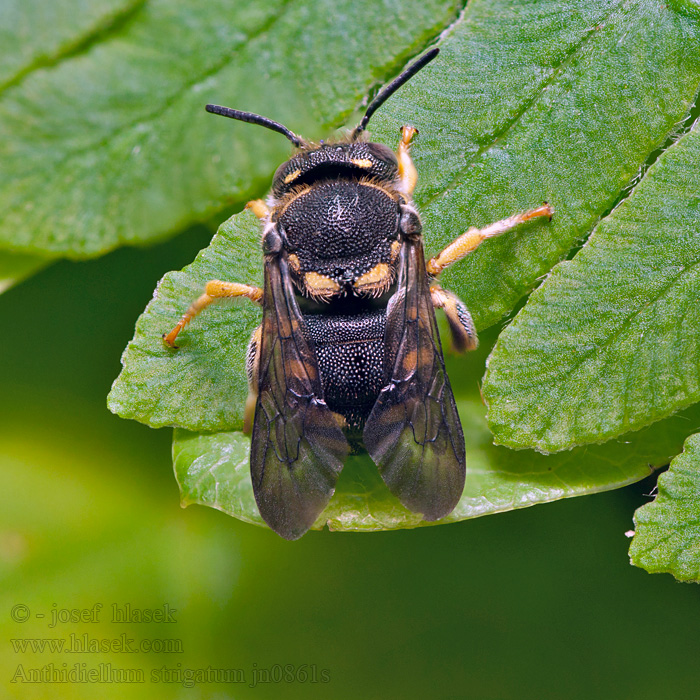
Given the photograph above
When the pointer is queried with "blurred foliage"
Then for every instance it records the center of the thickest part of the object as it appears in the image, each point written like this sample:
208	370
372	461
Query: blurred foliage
14	267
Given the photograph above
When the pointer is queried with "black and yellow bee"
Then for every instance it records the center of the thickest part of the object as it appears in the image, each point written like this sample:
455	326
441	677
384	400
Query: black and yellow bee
348	355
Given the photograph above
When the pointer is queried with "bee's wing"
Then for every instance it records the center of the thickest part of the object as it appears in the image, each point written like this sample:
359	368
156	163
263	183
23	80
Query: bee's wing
298	448
413	433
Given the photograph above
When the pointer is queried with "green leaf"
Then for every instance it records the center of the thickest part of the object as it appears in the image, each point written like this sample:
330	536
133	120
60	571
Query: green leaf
202	384
35	33
667	531
687	7
532	101
112	146
527	101
213	470
611	341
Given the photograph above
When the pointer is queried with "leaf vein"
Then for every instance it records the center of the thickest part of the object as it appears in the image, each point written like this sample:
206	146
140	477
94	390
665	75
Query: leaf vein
499	135
168	102
103	28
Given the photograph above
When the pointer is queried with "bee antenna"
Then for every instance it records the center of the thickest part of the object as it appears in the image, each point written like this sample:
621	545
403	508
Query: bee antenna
392	87
256	119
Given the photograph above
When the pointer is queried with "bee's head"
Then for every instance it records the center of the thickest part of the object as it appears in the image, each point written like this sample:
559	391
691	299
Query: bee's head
330	161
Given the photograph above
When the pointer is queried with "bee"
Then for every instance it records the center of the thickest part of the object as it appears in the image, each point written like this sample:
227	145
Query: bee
348	356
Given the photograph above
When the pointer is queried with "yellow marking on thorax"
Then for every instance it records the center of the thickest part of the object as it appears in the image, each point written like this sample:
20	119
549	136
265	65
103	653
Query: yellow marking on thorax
375	281
281	204
320	285
388	190
362	162
377	274
259	208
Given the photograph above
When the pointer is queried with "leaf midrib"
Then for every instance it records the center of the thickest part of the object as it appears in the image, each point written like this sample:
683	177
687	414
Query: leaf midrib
499	135
604	348
166	104
103	28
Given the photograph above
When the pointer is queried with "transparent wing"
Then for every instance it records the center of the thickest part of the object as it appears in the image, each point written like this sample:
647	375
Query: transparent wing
413	433
298	448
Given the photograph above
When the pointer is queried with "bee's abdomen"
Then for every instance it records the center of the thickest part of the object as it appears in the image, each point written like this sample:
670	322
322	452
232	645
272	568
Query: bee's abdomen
350	351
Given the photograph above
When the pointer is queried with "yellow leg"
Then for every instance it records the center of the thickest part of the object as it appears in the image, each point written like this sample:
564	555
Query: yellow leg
470	240
408	175
461	325
213	291
259	208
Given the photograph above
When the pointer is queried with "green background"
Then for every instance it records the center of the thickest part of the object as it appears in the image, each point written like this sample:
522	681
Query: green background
536	603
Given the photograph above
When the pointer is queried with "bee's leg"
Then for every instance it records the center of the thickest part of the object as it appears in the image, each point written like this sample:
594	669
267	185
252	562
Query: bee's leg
259	208
408	175
474	236
461	325
213	291
252	368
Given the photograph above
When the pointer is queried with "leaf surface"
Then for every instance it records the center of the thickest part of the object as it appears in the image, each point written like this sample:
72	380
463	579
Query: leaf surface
527	102
35	33
611	341
213	470
202	384
112	146
667	531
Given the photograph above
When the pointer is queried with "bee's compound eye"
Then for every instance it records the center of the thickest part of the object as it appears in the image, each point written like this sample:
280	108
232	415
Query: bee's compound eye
271	240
